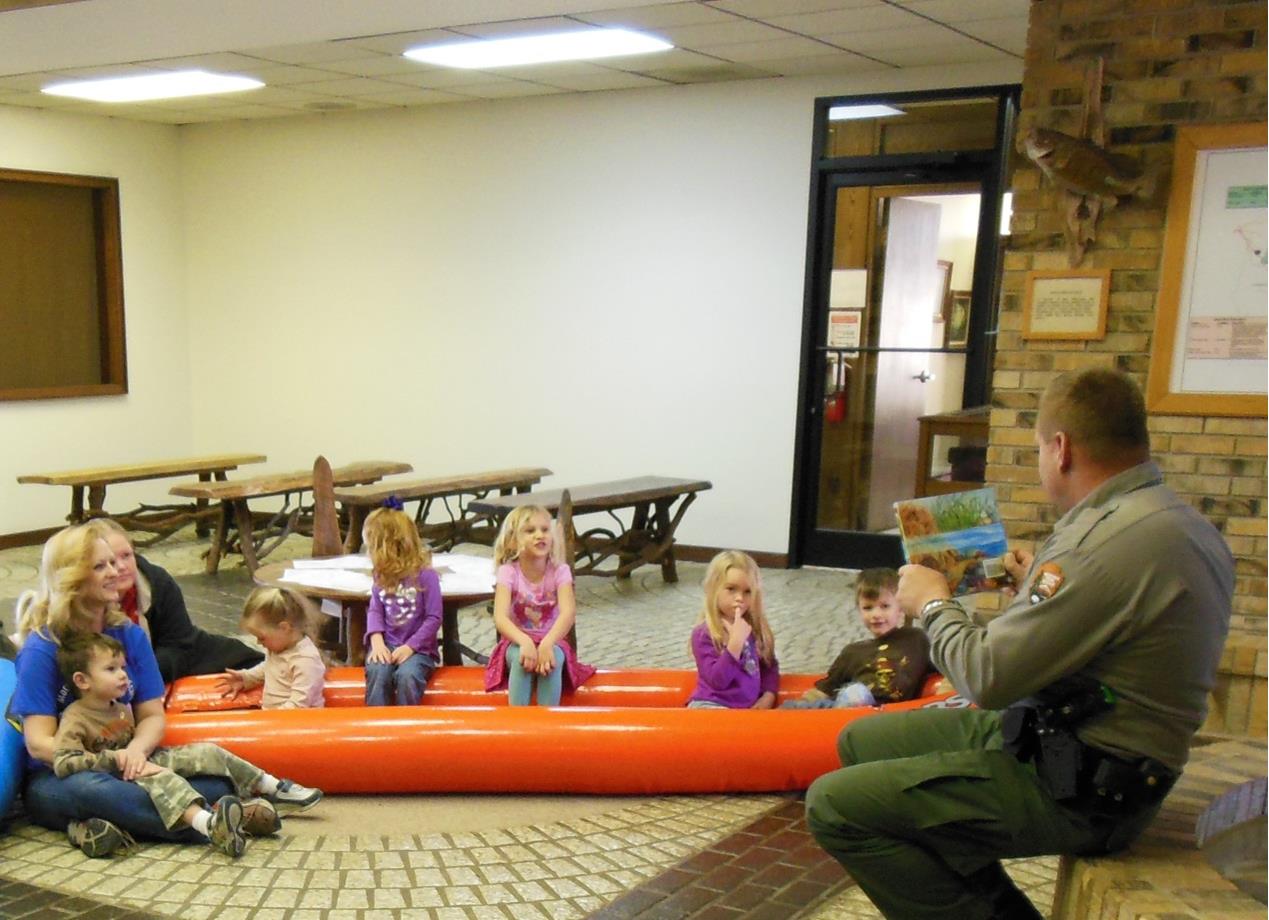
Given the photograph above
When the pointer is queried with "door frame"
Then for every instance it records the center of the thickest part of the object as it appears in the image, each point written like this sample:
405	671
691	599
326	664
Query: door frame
988	169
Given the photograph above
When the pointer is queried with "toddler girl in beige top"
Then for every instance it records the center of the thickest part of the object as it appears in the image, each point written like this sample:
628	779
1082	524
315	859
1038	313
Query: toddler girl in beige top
292	672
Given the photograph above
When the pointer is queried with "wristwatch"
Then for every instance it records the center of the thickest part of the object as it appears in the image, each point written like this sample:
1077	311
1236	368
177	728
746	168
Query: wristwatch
930	606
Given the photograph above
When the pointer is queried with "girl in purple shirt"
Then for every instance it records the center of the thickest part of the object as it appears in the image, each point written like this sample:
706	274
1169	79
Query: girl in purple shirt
534	608
733	645
404	613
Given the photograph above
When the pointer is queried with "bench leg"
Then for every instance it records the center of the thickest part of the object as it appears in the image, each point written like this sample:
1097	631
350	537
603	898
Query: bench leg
246	536
96	501
220	537
200	507
669	573
356	520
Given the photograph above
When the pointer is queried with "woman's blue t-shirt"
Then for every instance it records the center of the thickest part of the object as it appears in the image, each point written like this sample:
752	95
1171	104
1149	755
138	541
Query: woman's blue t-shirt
41	690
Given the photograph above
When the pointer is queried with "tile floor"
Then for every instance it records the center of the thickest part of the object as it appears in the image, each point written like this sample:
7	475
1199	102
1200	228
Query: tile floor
664	857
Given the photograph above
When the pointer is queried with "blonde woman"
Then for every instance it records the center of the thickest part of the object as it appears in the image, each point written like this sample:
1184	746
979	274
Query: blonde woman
732	643
79	593
151	598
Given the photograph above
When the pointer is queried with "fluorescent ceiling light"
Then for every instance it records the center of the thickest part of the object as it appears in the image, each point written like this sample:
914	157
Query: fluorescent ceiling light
579	45
170	85
847	112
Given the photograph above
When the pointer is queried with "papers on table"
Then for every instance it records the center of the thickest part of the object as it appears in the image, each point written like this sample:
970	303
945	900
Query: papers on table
351	574
334	562
331	579
464	574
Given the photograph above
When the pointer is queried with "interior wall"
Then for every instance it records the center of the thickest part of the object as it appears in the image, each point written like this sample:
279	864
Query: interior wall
152	420
609	285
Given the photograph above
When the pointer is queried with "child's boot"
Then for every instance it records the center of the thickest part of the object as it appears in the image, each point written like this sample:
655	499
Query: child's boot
224	832
98	837
293	797
260	818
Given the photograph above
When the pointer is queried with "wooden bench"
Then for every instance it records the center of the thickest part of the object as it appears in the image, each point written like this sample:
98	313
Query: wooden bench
463	525
1163	873
161	520
233	497
648	539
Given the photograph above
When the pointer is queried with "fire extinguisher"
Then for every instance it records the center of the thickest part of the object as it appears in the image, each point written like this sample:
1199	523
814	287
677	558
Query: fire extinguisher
835	402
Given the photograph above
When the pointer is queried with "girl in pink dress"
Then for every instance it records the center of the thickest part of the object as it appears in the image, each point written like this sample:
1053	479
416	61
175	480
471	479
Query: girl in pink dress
534	608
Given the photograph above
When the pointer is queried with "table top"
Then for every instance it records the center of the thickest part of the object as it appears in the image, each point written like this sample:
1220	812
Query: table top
457	590
158	469
278	483
409	489
598	496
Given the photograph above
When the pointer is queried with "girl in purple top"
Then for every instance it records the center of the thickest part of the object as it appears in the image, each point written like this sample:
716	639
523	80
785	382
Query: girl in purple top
734	648
534	608
404	613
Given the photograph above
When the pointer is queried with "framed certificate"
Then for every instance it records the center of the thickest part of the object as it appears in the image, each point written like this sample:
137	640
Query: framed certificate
1068	304
1209	356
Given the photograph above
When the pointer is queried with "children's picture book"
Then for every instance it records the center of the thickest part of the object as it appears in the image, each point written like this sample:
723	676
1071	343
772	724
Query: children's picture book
960	535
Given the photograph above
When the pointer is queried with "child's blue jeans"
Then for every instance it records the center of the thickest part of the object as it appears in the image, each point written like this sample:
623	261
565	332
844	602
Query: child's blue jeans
403	683
520	683
853	694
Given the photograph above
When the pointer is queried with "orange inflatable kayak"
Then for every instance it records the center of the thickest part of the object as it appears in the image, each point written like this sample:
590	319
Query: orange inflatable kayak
622	732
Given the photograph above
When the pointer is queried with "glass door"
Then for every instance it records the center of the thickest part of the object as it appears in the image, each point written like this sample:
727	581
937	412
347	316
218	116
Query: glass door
891	335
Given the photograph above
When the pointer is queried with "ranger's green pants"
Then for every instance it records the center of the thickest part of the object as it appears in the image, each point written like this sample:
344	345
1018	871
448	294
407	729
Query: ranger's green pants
926	805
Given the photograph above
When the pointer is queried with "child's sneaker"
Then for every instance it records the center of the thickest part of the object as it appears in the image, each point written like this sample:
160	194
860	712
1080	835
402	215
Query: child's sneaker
295	797
98	837
224	831
260	818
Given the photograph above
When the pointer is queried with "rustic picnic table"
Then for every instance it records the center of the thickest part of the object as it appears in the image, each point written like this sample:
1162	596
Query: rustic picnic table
463	526
353	601
161	520
235	514
647	539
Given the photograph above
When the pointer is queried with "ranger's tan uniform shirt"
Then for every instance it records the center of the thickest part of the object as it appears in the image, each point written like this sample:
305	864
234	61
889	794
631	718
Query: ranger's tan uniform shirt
1143	606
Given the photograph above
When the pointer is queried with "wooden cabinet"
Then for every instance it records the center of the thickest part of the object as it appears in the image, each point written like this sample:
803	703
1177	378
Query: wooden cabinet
952	451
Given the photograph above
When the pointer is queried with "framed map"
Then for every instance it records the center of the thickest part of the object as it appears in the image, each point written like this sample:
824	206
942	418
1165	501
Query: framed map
1209	355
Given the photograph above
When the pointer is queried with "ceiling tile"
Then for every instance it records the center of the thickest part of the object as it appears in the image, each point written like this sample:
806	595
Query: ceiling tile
505	90
838	62
377	65
925	35
281	75
970	52
398	42
513	27
863	19
1010	34
349	86
960	11
443	77
767	9
738	30
315	53
404	96
780	48
612	79
662	16
226	62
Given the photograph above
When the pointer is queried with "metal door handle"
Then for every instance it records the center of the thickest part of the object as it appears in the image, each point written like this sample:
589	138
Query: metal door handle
924	376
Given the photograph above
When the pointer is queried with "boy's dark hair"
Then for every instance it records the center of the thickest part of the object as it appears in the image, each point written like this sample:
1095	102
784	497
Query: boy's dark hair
76	652
872	582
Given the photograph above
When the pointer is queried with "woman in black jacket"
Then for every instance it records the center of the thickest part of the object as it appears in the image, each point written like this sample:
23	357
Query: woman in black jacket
153	600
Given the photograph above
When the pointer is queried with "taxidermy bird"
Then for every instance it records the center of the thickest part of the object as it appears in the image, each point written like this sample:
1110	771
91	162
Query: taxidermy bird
1084	168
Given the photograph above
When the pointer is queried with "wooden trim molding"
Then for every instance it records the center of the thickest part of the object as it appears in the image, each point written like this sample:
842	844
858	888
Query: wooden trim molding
26	537
687	552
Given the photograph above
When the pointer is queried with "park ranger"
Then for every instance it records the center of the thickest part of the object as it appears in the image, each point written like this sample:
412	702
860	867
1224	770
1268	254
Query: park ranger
1091	683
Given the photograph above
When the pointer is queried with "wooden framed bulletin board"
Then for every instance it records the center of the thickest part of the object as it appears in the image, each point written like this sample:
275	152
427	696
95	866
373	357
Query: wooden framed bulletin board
1066	304
1209	351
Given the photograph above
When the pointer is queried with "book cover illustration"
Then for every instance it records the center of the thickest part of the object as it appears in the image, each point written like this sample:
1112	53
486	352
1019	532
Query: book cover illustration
960	535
